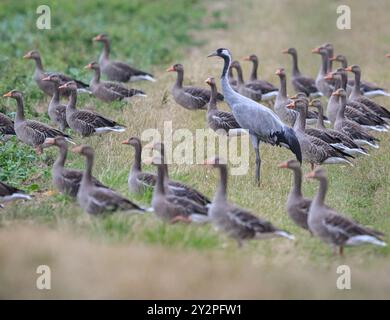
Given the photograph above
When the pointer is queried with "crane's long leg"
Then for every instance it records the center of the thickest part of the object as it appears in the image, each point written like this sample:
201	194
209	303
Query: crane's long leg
256	145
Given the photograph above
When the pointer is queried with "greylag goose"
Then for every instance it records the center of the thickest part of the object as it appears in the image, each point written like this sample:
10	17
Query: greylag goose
321	82
311	116
297	205
368	89
177	188
300	82
48	86
9	193
31	132
354	110
86	122
238	223
191	98
66	181
173	208
314	151
356	95
333	228
117	70
56	110
286	115
6	125
268	90
109	91
220	120
352	129
94	199
261	122
333	137
251	90
138	180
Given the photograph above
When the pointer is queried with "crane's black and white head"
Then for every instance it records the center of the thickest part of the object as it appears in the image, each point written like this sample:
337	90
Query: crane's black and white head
222	53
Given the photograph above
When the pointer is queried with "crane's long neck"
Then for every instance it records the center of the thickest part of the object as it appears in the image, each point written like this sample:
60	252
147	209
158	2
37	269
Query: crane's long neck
179	79
229	93
213	97
19	109
320	197
60	161
254	70
220	195
341	110
300	123
72	100
87	175
297	184
283	86
295	70
356	88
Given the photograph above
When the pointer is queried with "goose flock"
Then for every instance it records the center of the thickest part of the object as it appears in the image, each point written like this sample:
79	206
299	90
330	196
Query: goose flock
340	136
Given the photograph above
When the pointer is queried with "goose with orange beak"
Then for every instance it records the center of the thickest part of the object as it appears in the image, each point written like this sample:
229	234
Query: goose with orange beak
97	200
356	95
189	97
334	228
300	82
31	132
268	90
117	70
352	129
314	150
221	122
238	223
109	91
297	205
48	87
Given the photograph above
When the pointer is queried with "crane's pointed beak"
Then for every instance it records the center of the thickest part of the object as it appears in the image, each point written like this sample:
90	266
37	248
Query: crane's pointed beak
213	54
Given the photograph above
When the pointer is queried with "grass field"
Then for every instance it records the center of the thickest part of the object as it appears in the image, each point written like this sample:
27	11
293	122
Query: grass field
124	256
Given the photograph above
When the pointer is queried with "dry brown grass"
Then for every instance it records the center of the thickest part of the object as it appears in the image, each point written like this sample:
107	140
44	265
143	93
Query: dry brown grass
85	268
